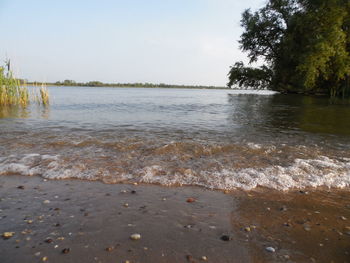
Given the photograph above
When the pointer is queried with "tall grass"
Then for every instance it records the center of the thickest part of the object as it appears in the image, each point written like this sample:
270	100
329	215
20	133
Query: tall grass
12	93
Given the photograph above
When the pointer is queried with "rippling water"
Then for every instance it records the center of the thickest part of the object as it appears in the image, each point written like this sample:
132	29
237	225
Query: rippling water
213	138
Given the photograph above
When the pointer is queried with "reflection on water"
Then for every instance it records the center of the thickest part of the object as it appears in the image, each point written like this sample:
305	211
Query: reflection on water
213	138
16	111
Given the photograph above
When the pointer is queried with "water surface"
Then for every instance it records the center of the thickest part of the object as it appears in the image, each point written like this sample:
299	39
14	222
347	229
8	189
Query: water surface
220	139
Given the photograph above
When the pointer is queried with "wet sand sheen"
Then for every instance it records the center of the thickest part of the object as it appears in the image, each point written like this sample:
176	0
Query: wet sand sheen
95	220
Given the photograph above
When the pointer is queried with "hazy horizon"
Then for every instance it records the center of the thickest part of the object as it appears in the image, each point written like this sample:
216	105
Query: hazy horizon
174	42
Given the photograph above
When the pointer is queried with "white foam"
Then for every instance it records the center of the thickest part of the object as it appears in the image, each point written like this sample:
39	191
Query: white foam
302	173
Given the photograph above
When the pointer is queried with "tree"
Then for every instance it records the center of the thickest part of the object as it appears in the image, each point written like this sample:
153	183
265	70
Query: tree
304	44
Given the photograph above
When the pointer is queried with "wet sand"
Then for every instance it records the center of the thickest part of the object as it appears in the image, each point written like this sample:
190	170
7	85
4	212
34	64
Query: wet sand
92	222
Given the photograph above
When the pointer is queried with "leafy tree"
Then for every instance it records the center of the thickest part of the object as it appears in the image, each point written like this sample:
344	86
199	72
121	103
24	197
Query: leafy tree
304	44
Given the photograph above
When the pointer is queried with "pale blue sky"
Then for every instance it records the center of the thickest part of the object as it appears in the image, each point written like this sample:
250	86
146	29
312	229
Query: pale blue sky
158	41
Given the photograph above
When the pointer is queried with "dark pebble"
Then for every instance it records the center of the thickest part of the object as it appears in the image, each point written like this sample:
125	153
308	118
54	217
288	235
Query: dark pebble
109	249
133	192
49	240
225	238
65	250
20	187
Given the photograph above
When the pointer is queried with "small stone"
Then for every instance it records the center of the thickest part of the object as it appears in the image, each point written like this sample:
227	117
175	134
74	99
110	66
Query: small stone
270	249
60	238
7	235
123	191
48	240
46	202
283	208
247	229
135	237
204	258
109	249
44	259
343	218
133	192
225	238
190	200
126	205
65	250
307	228
189	258
37	254
20	187
286	257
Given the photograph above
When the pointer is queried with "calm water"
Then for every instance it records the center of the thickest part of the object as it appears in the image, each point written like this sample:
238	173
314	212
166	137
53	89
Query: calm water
213	138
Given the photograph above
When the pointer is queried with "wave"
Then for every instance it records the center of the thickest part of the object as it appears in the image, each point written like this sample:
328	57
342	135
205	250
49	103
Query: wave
301	173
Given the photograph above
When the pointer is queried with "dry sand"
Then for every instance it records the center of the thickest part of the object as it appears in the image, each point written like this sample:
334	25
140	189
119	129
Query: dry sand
92	222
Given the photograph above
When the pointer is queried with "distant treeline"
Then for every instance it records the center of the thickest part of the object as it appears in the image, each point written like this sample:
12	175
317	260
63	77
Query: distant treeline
127	85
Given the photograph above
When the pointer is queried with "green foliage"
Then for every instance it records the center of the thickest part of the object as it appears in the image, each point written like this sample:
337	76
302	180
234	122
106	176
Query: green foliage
304	43
258	78
11	93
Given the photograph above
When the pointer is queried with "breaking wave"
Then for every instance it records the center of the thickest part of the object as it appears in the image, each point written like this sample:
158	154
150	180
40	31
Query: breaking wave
300	173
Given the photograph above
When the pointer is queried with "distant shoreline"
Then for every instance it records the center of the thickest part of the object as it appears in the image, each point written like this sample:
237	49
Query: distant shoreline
95	84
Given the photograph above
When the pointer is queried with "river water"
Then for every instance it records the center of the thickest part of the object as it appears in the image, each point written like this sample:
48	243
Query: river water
220	139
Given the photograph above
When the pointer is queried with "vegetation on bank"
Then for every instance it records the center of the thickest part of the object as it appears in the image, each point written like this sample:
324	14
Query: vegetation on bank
14	92
123	85
304	46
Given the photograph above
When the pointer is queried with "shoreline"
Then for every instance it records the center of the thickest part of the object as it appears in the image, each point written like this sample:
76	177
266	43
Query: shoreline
95	220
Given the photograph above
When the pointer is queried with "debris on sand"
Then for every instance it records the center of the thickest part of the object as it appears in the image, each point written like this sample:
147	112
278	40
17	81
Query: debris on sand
190	200
7	235
270	249
135	237
225	238
65	250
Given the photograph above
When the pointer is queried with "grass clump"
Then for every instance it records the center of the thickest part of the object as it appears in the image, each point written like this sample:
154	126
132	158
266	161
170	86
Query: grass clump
15	93
11	92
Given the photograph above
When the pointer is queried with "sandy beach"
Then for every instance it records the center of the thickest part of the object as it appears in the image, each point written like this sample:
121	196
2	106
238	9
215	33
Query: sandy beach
84	221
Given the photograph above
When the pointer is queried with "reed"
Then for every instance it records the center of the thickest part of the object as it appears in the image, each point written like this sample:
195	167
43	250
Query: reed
12	93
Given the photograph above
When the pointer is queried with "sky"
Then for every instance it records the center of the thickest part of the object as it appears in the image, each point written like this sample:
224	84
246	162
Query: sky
190	42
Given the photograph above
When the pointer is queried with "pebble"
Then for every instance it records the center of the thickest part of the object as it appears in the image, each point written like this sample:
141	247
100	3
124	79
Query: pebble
109	249
48	240
343	218
190	200
46	202
204	258
225	238
283	208
247	229
270	249
37	254
44	259
65	250
7	235
135	237
126	205
20	187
